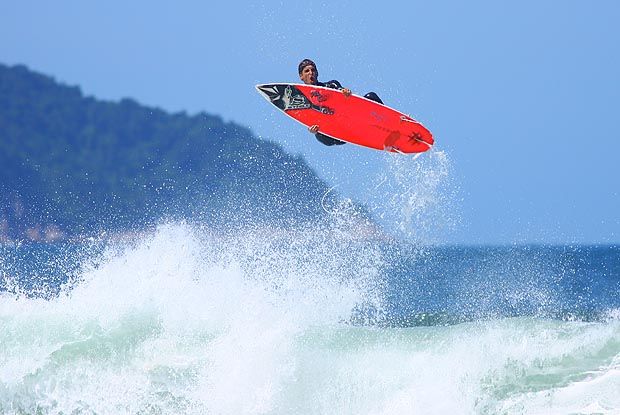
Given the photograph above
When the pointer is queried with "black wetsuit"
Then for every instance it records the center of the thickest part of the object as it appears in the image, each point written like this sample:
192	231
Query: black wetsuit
333	84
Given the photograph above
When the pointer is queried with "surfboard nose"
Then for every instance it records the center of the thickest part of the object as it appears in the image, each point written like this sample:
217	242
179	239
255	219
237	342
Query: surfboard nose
269	91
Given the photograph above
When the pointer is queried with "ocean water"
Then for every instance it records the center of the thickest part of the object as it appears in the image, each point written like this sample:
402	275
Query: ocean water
185	321
327	318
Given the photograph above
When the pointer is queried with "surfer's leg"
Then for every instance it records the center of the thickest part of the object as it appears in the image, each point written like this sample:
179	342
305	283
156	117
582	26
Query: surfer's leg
373	97
328	141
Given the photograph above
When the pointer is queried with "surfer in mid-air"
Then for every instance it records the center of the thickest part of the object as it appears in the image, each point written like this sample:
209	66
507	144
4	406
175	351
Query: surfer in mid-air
334	114
309	75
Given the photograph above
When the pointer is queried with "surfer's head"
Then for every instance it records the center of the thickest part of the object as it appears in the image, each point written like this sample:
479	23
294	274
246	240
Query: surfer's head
308	72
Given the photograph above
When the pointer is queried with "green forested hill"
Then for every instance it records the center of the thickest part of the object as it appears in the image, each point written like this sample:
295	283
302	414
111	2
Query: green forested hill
80	165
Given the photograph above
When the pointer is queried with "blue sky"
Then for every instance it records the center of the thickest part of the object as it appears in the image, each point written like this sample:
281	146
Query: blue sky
522	97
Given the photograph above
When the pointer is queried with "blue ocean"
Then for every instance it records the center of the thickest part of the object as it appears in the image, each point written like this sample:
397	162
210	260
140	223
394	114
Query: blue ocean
326	318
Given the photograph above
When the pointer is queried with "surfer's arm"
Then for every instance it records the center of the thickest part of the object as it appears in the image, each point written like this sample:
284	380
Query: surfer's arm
313	129
333	84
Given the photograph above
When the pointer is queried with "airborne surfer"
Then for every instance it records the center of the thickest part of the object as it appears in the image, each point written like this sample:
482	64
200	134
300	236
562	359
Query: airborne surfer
335	115
309	75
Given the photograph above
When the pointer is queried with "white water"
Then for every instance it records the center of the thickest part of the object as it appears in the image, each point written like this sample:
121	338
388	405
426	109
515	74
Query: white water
416	199
187	322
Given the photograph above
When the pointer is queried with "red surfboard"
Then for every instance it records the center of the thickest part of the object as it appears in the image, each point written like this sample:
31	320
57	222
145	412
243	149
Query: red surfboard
353	119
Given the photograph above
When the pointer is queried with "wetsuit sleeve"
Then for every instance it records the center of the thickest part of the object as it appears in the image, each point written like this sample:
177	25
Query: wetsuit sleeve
333	84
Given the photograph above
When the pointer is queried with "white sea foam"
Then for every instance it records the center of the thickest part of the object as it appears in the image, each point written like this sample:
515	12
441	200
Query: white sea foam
219	313
186	321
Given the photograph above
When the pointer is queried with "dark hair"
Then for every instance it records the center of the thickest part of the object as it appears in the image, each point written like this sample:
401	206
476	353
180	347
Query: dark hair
305	63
